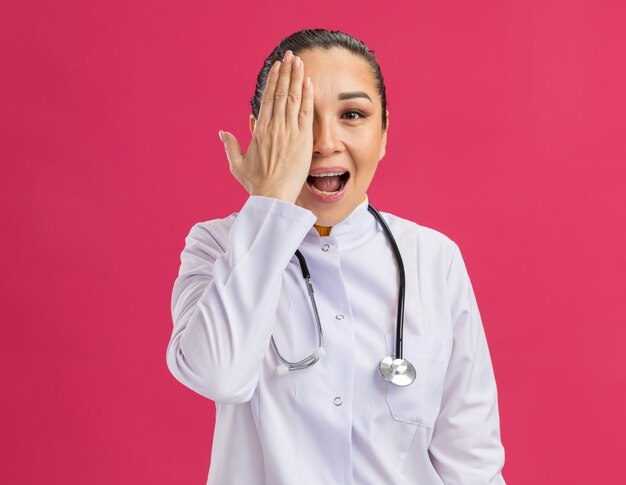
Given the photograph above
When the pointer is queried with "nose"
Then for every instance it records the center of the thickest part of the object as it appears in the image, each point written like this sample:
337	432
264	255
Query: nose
326	138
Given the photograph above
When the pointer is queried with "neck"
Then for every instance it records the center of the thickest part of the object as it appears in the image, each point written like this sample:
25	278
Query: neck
325	230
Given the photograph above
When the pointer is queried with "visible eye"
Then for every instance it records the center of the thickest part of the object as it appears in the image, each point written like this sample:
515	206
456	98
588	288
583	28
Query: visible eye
353	115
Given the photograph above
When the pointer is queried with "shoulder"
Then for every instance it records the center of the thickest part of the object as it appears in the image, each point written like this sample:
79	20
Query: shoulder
213	232
437	257
429	243
431	251
215	226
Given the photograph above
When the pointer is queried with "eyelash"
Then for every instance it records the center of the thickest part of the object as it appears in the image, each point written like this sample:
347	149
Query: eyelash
360	115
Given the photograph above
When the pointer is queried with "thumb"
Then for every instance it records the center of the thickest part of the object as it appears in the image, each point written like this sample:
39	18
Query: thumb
232	147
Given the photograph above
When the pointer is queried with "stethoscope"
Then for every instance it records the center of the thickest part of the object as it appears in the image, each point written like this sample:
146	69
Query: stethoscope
397	370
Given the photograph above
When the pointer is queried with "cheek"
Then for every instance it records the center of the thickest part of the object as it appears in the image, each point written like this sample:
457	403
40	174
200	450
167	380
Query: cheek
367	142
365	147
367	154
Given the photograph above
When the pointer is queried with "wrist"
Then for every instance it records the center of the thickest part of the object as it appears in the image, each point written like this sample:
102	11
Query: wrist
276	194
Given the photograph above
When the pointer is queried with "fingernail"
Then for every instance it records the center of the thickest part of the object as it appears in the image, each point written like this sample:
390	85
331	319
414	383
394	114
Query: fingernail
307	82
221	135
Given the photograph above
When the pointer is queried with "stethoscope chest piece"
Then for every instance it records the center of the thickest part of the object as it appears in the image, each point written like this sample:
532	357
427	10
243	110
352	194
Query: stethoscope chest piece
397	371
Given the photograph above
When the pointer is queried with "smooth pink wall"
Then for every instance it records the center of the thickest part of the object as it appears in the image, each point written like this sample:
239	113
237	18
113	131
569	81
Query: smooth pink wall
506	133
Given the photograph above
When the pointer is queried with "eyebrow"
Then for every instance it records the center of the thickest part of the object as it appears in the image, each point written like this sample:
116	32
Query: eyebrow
353	94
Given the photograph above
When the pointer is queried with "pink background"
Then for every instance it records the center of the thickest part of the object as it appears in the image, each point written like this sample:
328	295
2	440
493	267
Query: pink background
507	134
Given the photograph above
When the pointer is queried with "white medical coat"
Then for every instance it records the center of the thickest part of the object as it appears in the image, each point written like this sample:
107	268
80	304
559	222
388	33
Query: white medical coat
337	422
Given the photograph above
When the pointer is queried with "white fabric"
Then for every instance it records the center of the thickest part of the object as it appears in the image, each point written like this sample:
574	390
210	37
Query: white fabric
240	282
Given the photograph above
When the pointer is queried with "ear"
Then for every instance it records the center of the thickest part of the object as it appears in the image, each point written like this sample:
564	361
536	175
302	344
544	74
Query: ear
252	124
383	143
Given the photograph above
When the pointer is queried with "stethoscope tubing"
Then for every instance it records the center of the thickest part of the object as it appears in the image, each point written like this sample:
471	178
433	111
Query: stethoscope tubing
386	363
401	282
311	359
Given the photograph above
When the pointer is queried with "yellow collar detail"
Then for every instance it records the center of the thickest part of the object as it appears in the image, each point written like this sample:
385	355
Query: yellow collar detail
325	231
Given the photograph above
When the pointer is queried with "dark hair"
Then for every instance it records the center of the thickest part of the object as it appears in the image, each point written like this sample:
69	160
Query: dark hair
324	39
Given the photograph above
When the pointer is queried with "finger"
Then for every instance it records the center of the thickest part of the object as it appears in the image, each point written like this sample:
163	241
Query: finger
282	88
233	149
295	91
267	102
305	115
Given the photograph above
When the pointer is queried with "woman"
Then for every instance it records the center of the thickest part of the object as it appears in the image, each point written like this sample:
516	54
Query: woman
319	128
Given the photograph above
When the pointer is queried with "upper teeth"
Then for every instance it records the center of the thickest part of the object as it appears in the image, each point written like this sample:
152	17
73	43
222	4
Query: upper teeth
327	174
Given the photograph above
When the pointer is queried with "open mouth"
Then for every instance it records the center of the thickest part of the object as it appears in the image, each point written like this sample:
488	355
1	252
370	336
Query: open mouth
328	183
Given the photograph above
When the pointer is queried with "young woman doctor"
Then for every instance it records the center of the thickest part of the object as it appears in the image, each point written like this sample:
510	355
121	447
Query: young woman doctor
243	315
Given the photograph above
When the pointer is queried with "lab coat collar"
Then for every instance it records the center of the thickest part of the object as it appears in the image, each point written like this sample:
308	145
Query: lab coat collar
356	226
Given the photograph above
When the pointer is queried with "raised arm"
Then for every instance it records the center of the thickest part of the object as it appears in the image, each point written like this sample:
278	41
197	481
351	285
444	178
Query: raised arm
225	297
227	291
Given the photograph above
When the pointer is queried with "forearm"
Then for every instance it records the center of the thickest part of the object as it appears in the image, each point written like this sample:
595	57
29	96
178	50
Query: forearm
224	310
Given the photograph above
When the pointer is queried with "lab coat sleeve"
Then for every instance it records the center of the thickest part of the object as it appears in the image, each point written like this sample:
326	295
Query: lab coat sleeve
225	297
466	447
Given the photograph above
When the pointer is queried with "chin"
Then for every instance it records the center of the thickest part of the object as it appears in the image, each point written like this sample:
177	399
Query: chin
329	217
328	213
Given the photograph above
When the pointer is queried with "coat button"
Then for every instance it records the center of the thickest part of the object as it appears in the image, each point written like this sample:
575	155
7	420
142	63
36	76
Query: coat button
339	316
325	247
337	401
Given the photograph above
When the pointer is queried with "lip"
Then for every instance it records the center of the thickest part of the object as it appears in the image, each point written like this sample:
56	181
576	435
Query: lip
324	197
316	170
